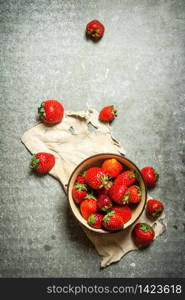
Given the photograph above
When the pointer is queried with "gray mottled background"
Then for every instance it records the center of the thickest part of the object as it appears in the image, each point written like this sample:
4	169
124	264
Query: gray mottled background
139	66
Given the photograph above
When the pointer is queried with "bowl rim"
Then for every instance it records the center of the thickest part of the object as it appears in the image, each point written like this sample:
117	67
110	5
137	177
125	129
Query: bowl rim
92	156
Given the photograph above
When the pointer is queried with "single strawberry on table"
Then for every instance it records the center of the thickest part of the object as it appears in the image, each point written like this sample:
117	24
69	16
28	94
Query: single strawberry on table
79	192
113	221
104	203
88	206
42	162
154	208
108	114
143	234
127	178
124	211
96	178
51	111
117	193
150	176
95	29
112	167
133	194
95	220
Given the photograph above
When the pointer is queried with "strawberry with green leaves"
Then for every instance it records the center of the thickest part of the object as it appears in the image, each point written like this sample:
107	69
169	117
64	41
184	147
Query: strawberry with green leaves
150	176
51	111
104	203
132	195
117	193
95	220
127	178
154	208
79	192
96	178
42	162
88	206
113	221
143	234
108	113
95	29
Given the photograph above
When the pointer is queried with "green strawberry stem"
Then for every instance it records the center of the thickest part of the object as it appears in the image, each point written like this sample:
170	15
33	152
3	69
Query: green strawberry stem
34	162
145	227
80	186
41	110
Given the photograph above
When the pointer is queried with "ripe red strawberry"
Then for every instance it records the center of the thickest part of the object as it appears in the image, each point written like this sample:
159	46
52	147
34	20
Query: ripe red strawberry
108	113
79	192
88	206
143	234
104	203
81	178
96	178
95	220
133	194
42	162
95	29
51	111
112	167
150	176
154	208
127	178
124	211
117	193
113	221
105	190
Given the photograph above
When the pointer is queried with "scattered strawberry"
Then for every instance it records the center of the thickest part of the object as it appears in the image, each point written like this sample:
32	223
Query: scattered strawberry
104	203
42	162
150	176
117	193
154	208
112	167
95	29
88	206
79	192
143	234
95	220
105	190
124	211
107	114
127	178
51	111
113	221
96	178
133	194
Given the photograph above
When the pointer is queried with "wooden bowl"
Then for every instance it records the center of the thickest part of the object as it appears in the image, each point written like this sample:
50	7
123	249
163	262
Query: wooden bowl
97	160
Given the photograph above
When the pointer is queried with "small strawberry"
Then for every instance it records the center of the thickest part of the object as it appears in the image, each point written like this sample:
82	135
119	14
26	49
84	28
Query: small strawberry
154	208
96	178
51	111
42	162
150	176
108	113
113	221
79	192
88	206
105	190
104	203
124	211
133	194
143	234
112	167
81	178
117	193
127	178
95	29
95	220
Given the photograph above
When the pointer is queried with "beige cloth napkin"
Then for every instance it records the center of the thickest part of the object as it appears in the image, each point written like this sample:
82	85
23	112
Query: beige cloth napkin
77	137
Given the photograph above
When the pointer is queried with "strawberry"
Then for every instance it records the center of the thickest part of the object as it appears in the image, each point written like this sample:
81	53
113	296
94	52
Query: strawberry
88	206
81	178
133	194
104	203
95	29
95	220
150	176
127	178
117	193
113	221
42	162
143	234
112	167
105	190
96	178
154	208
124	211
108	113
51	111
79	192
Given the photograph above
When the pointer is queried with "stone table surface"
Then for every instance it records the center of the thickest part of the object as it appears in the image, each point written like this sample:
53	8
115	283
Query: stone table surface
139	66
